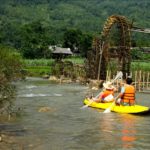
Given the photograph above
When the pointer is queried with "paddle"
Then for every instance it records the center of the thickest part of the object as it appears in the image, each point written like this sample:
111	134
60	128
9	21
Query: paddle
119	75
108	110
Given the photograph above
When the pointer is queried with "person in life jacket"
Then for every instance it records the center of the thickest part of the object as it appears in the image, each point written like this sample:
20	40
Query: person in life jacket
107	95
127	95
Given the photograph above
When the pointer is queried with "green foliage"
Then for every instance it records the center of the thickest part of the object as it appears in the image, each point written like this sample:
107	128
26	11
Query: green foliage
37	71
136	54
35	41
72	38
75	60
10	63
67	69
38	62
85	44
10	69
31	26
146	57
49	62
139	65
39	67
77	41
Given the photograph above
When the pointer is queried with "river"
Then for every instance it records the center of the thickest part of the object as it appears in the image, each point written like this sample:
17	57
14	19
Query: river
50	118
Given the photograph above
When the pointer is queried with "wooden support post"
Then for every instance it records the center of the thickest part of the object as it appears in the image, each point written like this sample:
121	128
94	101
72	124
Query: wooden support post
135	82
117	82
139	80
107	75
147	80
100	60
143	76
126	75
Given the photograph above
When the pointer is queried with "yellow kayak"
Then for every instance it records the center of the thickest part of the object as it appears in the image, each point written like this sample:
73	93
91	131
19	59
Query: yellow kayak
136	109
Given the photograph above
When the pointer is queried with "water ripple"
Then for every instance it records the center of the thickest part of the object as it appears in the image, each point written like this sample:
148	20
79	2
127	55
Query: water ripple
39	95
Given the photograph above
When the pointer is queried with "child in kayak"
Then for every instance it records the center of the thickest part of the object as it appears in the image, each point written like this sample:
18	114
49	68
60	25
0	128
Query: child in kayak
107	95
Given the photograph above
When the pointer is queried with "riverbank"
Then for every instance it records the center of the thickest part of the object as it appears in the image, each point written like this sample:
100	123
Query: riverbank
42	67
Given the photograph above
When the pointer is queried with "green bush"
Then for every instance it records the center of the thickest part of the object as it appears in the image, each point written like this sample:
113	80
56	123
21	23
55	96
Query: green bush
10	64
10	68
136	54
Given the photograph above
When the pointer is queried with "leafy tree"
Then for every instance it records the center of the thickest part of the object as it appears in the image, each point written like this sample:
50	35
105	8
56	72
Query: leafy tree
136	54
10	63
31	25
85	44
10	69
72	38
77	41
35	41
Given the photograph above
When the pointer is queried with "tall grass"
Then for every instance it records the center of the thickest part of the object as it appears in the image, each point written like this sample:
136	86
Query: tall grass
38	67
75	60
38	62
48	62
38	70
144	66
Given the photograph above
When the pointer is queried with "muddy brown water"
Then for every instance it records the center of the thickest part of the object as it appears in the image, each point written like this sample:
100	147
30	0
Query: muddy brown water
50	118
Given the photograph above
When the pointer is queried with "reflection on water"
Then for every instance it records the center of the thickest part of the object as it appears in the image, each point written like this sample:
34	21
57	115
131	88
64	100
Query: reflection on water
128	134
123	131
51	119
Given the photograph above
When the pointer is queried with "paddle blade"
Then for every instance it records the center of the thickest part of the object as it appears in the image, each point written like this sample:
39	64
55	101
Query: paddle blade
118	76
87	105
107	110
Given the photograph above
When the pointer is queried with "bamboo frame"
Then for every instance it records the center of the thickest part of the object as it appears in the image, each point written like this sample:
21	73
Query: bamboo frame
141	80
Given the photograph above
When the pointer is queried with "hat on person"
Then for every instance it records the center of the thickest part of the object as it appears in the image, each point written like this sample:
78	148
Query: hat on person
108	85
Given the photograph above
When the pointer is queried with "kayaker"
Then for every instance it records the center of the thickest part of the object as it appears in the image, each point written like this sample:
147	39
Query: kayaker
127	95
107	95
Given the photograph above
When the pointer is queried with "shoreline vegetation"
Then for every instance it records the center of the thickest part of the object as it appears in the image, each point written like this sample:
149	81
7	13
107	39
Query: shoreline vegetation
41	67
67	70
10	70
44	68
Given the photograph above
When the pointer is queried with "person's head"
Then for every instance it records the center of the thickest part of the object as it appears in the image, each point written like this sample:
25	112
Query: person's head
108	85
129	80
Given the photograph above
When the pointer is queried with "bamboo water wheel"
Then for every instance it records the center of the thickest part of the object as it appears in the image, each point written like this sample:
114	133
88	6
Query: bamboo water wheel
109	54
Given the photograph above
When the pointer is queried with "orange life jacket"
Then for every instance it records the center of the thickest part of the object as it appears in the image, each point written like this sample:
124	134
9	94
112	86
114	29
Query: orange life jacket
129	95
107	92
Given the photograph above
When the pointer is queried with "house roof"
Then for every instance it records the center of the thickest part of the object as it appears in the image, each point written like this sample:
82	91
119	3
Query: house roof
59	50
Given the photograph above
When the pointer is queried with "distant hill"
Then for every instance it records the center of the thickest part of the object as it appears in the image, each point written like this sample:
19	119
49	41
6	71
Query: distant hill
86	15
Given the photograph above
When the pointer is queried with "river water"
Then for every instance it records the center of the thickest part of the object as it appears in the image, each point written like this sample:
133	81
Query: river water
65	126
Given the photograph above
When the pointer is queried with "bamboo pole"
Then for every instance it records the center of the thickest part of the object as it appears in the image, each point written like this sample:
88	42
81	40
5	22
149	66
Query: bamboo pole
107	75
135	79
126	75
117	82
143	77
100	60
131	75
139	81
147	80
